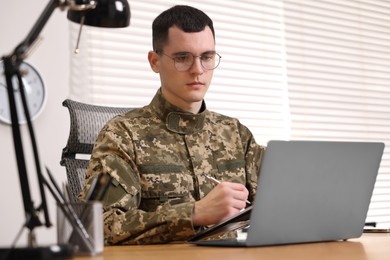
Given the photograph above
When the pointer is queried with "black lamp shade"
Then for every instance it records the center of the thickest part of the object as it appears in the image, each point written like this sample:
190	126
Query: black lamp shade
107	13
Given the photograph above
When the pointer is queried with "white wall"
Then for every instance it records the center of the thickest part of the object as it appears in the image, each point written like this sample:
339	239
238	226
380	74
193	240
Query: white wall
51	59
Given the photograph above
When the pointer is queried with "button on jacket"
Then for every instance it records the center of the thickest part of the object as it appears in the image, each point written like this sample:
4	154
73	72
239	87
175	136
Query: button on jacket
157	156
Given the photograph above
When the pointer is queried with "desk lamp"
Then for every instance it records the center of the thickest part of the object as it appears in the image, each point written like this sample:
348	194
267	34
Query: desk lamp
100	13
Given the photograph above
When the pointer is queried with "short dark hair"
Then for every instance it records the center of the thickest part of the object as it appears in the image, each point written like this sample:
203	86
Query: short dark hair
186	18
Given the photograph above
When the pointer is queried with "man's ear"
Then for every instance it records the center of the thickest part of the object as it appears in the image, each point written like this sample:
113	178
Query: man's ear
154	61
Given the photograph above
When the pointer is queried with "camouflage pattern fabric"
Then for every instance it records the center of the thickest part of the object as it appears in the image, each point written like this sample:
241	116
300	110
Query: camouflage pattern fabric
157	156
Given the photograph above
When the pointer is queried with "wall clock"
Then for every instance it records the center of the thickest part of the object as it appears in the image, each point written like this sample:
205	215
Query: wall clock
34	90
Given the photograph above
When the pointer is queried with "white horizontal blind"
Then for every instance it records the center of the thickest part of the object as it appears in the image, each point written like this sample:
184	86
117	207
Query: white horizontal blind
338	63
112	67
290	69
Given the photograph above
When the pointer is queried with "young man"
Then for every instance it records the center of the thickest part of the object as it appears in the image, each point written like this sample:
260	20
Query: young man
160	155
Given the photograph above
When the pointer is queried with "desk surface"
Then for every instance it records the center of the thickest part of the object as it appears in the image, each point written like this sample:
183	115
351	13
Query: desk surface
368	247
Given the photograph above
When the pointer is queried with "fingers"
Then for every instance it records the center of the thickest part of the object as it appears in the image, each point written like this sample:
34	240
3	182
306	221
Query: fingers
237	192
225	200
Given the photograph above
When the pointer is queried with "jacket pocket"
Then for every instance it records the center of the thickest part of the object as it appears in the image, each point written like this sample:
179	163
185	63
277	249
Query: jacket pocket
164	183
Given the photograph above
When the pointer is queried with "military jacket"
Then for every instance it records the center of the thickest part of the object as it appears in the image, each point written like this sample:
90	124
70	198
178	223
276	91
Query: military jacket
157	156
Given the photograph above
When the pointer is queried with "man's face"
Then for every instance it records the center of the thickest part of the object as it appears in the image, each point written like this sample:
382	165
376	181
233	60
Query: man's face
185	89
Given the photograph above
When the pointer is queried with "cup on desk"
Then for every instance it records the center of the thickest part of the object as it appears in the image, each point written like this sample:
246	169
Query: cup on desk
81	226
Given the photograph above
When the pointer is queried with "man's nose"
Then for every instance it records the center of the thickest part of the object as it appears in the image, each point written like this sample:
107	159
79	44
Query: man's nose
197	67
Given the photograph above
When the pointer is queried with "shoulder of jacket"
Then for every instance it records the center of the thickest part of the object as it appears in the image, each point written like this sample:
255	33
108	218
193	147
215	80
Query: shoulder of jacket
139	112
218	118
130	119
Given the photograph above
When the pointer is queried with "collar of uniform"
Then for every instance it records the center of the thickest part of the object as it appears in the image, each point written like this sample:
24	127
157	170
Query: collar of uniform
176	119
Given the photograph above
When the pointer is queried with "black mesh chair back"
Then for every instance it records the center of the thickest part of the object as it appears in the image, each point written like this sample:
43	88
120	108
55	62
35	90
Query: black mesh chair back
86	121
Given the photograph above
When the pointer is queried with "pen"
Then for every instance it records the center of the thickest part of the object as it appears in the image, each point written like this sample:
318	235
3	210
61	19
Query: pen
215	181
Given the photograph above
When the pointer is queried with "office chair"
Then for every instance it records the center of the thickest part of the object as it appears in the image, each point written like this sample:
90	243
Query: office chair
86	121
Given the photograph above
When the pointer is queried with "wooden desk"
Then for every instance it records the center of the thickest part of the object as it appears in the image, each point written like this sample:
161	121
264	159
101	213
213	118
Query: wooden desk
368	247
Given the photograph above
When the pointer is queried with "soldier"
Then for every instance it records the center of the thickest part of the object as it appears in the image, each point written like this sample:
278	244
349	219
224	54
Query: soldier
160	155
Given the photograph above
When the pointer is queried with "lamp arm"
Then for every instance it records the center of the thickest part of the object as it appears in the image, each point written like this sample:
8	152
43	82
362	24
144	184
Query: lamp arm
20	52
32	219
12	69
12	64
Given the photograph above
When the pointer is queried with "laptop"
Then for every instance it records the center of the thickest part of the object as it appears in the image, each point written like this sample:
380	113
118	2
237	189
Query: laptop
308	191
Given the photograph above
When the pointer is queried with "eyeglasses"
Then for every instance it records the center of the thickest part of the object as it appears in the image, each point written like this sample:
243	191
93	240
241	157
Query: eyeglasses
184	61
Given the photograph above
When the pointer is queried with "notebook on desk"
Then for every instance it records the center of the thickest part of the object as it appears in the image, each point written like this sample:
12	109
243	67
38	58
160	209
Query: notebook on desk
308	191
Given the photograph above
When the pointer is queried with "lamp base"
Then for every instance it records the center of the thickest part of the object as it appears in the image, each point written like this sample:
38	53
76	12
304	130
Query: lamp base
52	252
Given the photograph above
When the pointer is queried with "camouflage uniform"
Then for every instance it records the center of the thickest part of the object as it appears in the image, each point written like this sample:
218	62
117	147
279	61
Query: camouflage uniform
157	155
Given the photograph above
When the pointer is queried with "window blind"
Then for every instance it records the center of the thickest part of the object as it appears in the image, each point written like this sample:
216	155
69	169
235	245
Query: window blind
290	69
338	64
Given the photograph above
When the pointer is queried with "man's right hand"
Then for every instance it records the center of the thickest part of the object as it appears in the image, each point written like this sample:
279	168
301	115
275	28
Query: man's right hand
223	201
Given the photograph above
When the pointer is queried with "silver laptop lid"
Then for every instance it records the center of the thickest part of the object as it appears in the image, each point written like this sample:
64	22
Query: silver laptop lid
313	191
